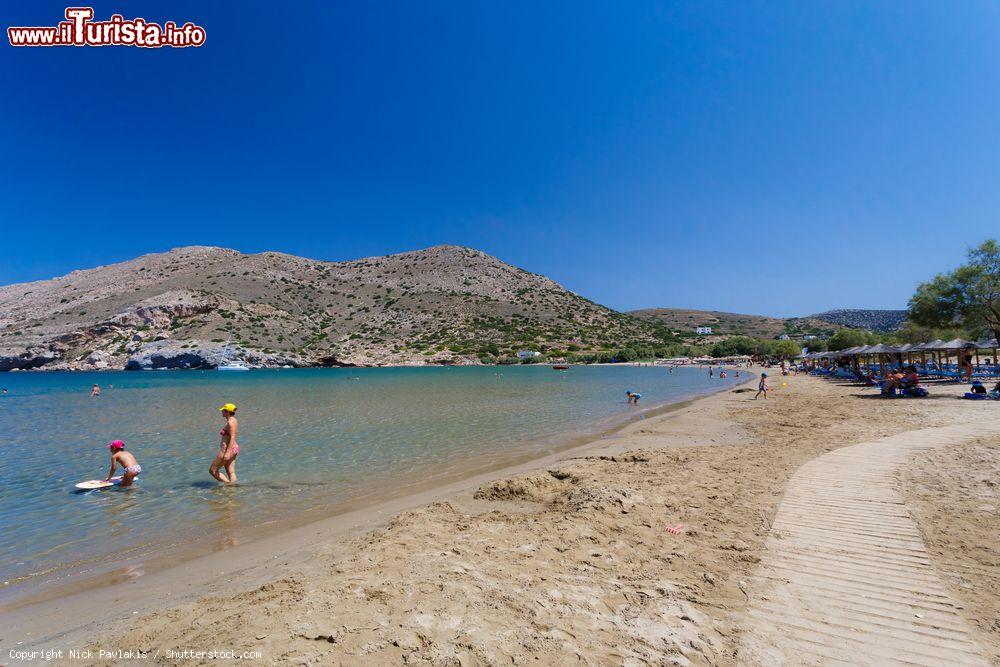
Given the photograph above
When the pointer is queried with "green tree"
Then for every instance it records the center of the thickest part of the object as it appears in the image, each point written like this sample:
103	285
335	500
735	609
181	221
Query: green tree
787	349
968	297
845	338
733	346
914	333
815	345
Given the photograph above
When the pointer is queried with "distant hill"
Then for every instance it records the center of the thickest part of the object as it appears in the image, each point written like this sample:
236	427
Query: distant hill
685	321
875	320
445	304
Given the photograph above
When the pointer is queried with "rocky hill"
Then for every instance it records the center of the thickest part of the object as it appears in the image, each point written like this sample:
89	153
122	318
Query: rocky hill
875	320
684	321
445	304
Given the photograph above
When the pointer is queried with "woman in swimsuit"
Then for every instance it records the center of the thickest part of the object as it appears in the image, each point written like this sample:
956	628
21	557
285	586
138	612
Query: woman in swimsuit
228	449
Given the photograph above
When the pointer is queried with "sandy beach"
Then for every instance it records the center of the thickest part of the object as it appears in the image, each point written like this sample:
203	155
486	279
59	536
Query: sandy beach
567	559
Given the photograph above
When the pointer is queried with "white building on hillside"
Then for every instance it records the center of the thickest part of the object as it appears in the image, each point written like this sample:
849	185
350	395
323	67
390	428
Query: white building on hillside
527	354
704	331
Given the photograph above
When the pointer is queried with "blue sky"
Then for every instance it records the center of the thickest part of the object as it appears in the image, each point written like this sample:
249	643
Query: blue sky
774	158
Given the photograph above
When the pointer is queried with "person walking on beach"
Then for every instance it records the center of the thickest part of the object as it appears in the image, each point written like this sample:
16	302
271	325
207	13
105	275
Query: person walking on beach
95	391
762	387
119	457
228	447
967	367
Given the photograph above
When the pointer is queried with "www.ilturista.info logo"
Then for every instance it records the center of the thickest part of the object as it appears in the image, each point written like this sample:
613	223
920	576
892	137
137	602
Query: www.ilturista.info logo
79	29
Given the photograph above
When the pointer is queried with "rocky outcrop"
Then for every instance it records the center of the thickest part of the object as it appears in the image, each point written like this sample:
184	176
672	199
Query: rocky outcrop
198	354
159	311
24	360
333	362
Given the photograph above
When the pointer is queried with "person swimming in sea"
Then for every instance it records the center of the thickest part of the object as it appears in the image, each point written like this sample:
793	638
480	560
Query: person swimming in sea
228	447
120	457
95	391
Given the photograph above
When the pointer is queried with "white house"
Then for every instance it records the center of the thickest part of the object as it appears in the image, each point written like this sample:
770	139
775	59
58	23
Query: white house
527	354
704	331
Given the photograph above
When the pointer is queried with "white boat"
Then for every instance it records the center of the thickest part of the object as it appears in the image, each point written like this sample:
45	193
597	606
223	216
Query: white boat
234	366
231	364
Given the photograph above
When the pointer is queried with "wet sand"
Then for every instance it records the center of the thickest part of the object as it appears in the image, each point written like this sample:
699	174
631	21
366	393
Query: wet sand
564	560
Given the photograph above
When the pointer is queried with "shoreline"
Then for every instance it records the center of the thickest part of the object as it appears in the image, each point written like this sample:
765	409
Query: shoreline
550	363
252	559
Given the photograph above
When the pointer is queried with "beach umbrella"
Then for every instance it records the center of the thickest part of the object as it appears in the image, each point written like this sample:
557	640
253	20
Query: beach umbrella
857	353
989	344
932	346
956	345
881	350
907	349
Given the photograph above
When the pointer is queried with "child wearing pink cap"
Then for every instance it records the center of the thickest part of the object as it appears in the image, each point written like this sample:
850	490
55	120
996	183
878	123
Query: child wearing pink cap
119	457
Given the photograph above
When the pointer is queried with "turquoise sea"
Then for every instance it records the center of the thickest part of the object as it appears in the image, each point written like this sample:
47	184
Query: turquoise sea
312	441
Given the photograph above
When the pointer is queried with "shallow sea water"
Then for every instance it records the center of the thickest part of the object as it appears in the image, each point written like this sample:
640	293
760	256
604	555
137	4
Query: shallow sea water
312	441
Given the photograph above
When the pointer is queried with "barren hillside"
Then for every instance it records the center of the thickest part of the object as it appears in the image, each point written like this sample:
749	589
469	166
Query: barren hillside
685	321
445	304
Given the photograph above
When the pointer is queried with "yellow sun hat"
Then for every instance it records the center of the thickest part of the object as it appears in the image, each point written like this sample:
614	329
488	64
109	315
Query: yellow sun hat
228	407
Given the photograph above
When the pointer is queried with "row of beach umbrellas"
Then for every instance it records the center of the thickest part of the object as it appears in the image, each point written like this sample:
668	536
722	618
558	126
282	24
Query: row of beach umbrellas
955	345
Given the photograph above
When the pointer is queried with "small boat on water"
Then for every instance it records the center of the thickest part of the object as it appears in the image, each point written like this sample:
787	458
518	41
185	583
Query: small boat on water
560	368
231	364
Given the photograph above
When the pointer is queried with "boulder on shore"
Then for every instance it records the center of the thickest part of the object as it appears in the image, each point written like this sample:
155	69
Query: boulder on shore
25	359
204	355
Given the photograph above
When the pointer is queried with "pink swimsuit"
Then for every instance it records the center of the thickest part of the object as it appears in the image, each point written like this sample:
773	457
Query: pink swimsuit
234	450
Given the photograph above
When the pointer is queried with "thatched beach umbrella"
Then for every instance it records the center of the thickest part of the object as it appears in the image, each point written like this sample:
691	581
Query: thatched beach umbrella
907	349
957	345
881	350
989	344
933	347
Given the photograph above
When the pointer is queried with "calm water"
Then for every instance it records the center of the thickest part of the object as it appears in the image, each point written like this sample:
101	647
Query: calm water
311	440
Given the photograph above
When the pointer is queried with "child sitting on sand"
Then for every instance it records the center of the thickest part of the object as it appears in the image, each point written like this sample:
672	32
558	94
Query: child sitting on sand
119	457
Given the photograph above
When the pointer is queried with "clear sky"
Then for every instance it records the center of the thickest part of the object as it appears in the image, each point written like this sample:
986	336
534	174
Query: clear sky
777	157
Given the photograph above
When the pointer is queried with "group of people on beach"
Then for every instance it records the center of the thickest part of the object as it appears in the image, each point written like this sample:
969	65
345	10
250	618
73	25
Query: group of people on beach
223	467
